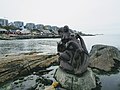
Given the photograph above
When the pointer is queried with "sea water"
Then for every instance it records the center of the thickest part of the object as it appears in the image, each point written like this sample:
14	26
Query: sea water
49	46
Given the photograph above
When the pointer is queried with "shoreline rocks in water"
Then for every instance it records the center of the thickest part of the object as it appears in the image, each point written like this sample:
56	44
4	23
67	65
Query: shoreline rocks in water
33	81
105	58
14	66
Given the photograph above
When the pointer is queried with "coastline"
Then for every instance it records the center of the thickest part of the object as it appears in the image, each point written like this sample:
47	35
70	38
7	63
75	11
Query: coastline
7	37
14	66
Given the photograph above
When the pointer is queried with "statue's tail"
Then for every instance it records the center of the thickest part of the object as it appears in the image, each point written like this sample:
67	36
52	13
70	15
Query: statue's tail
82	43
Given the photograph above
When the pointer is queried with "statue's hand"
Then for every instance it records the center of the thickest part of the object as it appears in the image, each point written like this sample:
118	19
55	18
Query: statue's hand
65	56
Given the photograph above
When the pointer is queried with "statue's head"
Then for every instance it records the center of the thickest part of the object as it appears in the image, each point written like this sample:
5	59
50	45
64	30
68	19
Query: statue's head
64	32
66	28
65	36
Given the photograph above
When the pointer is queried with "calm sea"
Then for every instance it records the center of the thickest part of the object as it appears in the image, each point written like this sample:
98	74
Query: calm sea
49	46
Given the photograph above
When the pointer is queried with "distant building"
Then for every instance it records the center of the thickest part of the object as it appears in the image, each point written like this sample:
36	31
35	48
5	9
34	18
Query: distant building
39	26
12	31
25	31
55	30
30	26
19	24
3	31
46	33
3	22
47	27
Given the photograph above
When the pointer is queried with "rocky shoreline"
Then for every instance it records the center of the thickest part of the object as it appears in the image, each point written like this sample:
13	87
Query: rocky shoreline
103	60
14	66
7	37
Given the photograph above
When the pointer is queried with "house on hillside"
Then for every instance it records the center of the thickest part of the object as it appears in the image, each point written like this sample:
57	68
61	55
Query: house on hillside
25	32
3	22
55	30
48	27
19	24
39	26
46	33
30	26
3	31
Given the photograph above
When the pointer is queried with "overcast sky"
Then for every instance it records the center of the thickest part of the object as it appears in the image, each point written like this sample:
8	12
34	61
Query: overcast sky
89	16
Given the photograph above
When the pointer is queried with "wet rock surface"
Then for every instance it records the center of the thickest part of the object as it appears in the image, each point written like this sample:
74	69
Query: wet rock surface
28	83
104	58
33	82
18	65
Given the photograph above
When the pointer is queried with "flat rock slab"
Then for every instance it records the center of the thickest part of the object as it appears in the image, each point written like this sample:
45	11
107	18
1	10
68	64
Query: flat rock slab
72	82
14	66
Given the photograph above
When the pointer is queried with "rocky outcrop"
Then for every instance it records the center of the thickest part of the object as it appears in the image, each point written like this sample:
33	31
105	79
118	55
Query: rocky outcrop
105	58
31	82
72	82
24	64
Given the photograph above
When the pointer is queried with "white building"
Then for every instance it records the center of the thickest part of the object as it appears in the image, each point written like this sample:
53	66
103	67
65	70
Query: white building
19	24
55	30
47	27
30	26
3	31
46	32
25	31
3	22
39	26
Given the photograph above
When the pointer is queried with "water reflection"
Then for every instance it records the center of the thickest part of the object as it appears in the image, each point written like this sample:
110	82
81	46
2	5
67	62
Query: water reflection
28	45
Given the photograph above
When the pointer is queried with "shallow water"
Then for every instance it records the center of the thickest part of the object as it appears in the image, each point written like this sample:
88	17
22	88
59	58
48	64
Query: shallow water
111	82
47	46
112	40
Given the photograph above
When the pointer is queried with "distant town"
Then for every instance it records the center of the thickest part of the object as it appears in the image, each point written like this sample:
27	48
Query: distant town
17	30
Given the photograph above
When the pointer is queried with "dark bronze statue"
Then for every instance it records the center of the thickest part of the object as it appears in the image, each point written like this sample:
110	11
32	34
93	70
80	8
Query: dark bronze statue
73	55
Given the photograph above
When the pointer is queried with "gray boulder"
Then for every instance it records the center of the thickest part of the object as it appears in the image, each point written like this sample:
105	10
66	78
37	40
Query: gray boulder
104	57
72	82
30	82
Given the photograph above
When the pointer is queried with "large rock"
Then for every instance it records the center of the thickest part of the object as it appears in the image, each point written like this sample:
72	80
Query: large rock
72	82
16	65
104	57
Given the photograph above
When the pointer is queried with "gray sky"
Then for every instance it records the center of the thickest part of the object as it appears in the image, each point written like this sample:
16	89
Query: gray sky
89	16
